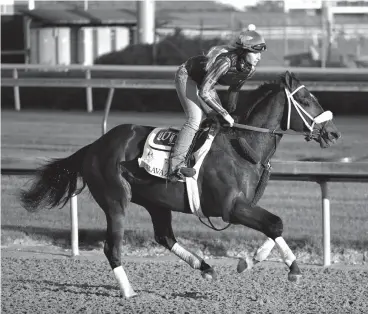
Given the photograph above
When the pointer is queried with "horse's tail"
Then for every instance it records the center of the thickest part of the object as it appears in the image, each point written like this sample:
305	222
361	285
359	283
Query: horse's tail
55	182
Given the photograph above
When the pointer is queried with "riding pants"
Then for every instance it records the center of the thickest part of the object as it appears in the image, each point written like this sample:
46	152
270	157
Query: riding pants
195	109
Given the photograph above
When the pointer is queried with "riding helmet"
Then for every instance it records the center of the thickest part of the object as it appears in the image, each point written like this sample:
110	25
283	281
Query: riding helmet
251	40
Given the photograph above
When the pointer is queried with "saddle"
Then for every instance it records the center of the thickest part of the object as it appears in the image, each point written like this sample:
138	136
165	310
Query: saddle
159	143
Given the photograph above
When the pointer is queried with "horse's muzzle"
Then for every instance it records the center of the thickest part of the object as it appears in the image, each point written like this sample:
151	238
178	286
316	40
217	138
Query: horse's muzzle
328	135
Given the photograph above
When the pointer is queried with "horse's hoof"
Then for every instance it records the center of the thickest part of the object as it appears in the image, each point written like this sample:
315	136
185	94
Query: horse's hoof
131	294
209	274
295	278
244	265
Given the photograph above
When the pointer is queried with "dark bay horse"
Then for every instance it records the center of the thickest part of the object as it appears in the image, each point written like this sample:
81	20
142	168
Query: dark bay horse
230	181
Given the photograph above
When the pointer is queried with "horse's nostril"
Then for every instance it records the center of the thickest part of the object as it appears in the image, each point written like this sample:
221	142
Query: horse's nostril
336	135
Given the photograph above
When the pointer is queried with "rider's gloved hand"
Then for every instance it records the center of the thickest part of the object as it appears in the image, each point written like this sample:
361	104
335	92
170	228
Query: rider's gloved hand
229	120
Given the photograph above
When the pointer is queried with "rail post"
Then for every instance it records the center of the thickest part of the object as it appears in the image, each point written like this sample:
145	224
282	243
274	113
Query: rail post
16	91
107	109
326	224
89	94
74	225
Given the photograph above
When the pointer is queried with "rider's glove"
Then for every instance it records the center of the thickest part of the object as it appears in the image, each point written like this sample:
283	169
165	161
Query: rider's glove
229	119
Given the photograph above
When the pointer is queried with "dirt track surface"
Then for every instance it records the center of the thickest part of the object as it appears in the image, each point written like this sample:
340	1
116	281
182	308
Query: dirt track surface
45	280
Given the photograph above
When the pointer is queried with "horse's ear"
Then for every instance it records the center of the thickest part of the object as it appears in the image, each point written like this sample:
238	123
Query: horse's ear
288	80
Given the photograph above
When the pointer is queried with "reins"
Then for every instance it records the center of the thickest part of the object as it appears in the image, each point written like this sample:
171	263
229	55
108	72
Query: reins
264	130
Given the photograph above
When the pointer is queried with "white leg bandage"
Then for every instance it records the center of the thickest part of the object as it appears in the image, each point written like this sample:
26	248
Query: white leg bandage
186	256
264	250
286	254
124	284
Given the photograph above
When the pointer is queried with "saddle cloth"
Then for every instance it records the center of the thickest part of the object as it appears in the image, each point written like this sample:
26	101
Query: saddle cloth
155	160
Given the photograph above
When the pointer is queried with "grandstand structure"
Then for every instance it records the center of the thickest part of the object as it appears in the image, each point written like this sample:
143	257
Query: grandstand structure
65	32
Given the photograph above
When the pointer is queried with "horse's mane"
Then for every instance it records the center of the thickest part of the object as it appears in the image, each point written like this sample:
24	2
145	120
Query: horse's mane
268	86
255	95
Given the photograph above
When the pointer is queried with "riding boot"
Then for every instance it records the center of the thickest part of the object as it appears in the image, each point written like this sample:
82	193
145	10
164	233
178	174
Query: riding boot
177	164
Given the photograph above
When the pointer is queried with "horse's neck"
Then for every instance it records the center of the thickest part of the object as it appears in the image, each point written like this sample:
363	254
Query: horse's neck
264	144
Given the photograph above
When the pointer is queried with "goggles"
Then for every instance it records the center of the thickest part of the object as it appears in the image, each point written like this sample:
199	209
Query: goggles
254	48
259	47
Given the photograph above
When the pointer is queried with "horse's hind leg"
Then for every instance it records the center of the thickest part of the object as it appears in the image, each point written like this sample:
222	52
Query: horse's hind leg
113	197
113	247
164	235
271	225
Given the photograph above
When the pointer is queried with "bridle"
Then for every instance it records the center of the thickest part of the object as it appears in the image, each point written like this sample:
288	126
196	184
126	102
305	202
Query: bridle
321	118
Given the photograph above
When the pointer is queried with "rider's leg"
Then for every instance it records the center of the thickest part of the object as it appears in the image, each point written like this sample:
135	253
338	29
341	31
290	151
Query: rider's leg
188	95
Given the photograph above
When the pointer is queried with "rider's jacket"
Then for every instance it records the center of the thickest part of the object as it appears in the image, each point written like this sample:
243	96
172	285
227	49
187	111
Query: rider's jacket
226	70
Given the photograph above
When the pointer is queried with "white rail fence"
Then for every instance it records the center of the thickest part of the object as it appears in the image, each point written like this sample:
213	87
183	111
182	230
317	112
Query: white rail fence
322	173
160	77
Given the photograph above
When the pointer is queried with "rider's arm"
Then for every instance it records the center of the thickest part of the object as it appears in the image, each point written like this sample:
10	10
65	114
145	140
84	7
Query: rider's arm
219	68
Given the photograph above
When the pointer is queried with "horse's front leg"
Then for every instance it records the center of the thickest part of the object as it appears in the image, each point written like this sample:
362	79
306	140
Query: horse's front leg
260	219
260	255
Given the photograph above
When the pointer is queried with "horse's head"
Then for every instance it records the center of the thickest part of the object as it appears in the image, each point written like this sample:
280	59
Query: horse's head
286	104
305	114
